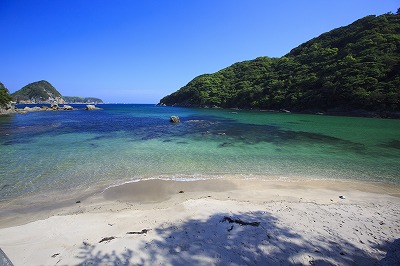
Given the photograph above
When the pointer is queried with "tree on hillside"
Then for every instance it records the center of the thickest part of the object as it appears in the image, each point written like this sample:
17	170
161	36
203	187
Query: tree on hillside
5	97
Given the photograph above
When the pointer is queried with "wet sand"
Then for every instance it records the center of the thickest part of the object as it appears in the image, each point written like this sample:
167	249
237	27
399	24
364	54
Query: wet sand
214	222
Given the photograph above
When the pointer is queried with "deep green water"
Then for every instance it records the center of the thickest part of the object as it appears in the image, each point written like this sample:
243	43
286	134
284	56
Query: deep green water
48	152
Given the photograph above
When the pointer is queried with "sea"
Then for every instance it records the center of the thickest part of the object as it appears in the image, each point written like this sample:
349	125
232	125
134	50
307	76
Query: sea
63	153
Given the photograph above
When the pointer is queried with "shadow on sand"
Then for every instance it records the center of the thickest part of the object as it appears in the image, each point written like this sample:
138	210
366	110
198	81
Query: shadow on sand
89	256
237	239
393	253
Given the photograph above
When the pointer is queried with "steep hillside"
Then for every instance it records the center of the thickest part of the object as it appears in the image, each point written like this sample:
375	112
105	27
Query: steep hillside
38	92
350	68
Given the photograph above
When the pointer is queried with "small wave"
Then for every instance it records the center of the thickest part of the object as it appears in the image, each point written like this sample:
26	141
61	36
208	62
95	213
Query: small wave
181	178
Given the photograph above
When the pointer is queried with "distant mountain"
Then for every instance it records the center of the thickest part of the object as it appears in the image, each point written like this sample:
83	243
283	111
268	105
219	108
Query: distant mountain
38	92
77	99
356	67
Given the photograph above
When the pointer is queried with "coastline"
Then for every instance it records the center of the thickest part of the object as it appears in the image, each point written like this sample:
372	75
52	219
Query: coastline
45	106
330	112
199	222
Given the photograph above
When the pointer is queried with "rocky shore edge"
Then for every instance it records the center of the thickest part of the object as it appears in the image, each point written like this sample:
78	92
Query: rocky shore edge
331	112
11	109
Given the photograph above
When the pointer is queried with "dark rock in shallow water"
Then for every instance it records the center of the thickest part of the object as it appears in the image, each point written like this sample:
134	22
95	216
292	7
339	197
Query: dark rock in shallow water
174	119
225	144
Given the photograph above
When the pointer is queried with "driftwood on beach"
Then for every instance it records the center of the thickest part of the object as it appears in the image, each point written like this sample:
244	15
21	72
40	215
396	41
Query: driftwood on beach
107	239
144	231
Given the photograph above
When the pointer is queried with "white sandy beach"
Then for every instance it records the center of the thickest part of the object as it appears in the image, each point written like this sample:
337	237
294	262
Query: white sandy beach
215	222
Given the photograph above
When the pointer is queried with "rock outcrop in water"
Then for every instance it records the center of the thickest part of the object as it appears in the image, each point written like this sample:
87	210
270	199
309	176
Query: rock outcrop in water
174	119
92	107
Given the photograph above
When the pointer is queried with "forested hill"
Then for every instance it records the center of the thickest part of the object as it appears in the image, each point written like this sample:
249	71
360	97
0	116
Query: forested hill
37	92
356	67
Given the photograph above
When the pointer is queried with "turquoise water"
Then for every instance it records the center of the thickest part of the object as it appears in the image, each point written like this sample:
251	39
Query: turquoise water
74	151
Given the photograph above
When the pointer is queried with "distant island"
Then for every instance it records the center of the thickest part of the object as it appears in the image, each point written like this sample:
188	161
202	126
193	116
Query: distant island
352	69
85	100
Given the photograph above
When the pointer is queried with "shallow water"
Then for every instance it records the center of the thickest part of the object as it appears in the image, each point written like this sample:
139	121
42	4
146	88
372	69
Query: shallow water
67	151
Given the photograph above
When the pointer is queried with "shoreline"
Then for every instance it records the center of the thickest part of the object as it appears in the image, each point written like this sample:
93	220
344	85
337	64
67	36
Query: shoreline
22	210
45	107
213	222
333	112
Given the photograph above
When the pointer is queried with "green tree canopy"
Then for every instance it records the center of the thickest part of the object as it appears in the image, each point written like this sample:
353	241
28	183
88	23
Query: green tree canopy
5	97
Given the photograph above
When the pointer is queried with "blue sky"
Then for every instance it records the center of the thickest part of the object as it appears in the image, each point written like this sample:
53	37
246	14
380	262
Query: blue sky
131	51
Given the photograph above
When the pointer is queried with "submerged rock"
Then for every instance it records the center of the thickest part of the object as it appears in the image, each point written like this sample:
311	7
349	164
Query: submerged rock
174	119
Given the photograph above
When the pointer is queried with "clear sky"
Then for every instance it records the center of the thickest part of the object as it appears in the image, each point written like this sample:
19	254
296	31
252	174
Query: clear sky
130	51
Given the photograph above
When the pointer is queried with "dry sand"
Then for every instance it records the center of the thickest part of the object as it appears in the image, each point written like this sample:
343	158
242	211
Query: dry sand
214	222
